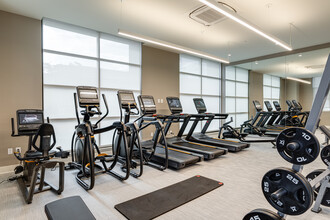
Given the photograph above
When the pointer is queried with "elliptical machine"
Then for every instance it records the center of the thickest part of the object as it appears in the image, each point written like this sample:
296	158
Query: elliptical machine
127	102
83	145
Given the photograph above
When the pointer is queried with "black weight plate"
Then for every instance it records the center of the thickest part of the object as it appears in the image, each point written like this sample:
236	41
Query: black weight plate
326	198
299	194
298	146
262	214
325	155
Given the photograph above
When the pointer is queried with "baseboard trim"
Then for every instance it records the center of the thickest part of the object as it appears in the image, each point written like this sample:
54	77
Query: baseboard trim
7	169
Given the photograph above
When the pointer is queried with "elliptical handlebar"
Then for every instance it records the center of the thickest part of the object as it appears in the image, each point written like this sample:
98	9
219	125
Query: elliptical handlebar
12	127
106	107
76	107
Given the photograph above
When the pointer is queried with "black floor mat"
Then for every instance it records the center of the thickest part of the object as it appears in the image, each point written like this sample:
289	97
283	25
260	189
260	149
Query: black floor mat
163	200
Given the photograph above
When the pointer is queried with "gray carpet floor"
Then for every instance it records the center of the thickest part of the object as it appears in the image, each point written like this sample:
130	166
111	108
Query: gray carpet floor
240	172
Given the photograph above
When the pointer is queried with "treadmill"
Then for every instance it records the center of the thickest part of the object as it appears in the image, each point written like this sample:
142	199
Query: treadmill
209	152
177	159
232	146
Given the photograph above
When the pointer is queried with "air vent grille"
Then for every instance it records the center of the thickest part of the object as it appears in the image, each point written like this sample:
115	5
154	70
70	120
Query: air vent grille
208	16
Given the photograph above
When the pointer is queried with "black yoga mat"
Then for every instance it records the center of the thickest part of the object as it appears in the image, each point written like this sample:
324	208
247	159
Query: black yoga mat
163	200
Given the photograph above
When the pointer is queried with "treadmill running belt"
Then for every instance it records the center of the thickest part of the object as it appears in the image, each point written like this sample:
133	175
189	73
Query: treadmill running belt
163	200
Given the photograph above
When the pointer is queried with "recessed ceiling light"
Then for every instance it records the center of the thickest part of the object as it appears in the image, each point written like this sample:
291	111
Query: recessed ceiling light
229	55
256	62
300	55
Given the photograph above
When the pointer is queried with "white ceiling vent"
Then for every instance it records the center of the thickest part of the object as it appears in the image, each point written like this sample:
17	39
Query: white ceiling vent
208	16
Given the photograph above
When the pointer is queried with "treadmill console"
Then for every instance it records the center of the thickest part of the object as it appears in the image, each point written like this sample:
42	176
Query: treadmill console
174	105
277	106
289	103
29	120
257	105
88	96
126	99
200	105
147	104
296	105
268	106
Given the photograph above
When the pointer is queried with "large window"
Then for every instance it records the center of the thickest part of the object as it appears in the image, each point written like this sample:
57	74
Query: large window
75	56
200	78
271	88
237	92
315	84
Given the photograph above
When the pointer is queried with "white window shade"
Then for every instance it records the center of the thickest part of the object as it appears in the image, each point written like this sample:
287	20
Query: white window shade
60	37
242	75
190	64
230	88
190	84
212	104
120	76
64	130
242	105
59	102
210	68
230	105
119	49
267	92
70	71
275	93
211	86
230	73
267	80
242	89
241	118
187	103
276	81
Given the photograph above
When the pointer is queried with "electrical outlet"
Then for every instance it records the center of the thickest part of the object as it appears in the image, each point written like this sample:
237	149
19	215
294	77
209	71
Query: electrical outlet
10	150
151	134
18	149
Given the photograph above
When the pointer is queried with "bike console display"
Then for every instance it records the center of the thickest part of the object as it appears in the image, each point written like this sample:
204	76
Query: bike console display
147	104
126	99
29	120
268	106
200	105
174	104
88	96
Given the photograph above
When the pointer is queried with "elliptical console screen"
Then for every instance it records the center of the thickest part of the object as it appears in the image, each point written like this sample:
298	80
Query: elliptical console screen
29	119
148	102
127	97
88	96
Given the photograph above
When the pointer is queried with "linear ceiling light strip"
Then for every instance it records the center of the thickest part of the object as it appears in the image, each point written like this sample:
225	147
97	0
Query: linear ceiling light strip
298	80
245	23
168	45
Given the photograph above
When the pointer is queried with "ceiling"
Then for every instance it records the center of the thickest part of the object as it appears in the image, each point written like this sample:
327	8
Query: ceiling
306	23
301	65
